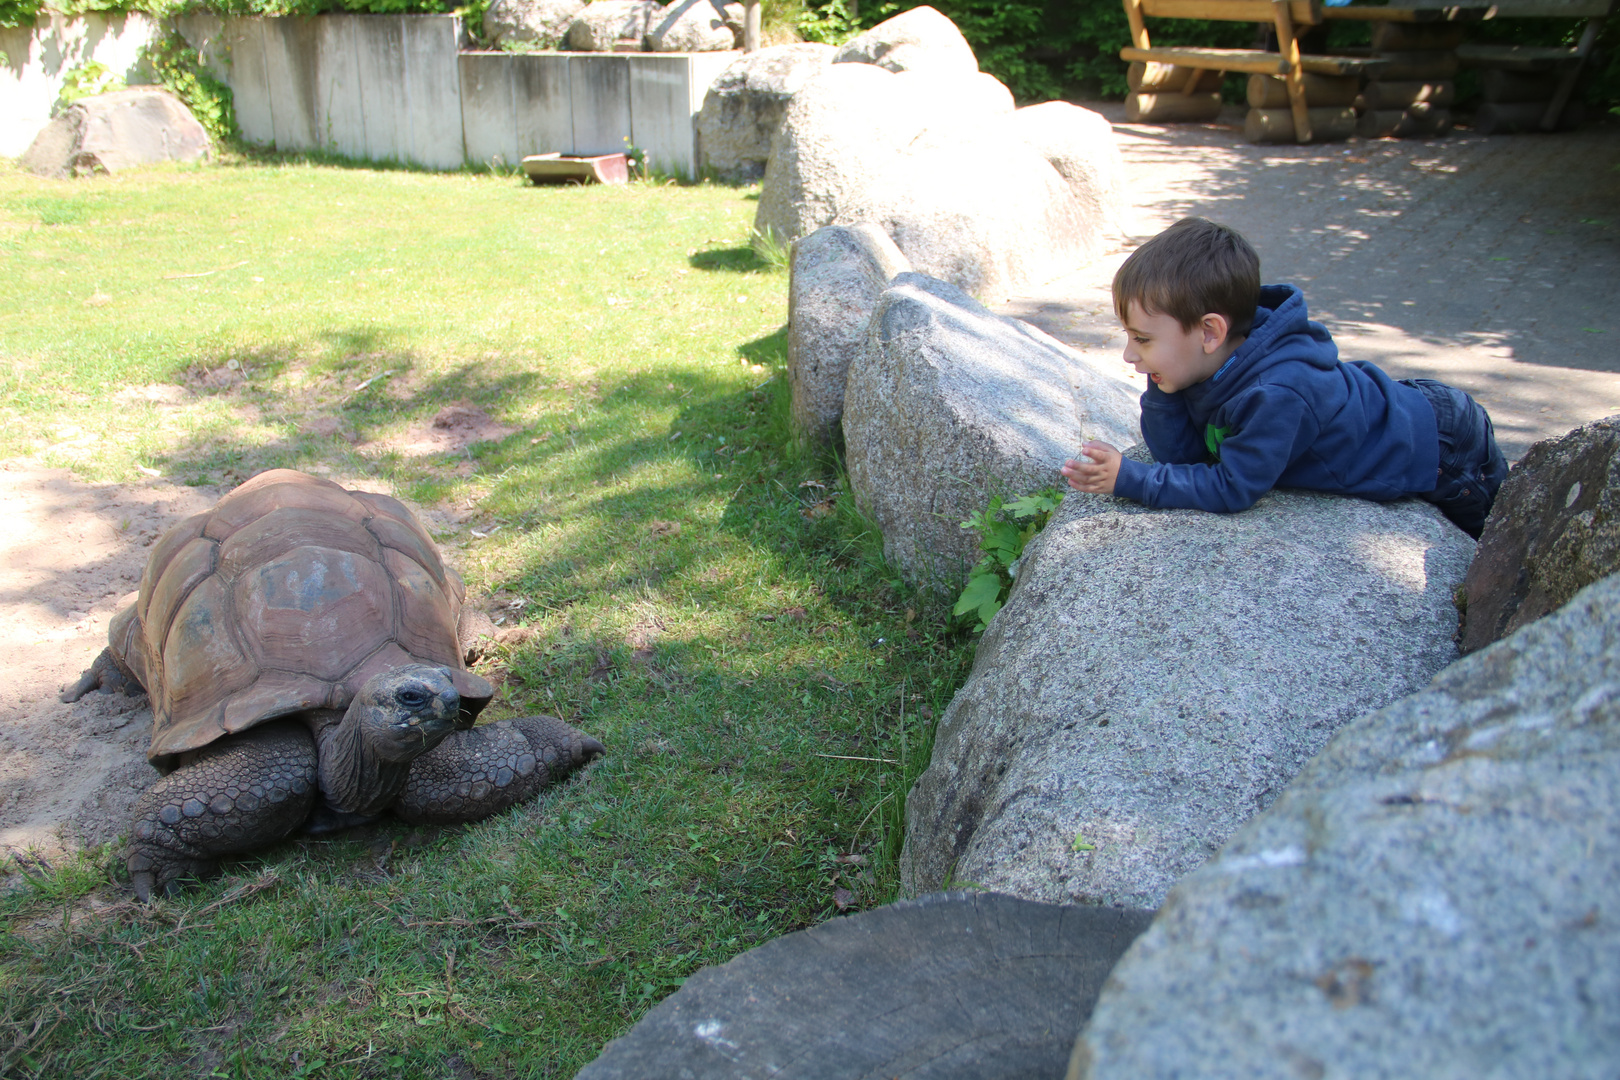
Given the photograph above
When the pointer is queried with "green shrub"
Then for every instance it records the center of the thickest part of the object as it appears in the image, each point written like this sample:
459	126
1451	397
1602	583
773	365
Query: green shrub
179	68
19	12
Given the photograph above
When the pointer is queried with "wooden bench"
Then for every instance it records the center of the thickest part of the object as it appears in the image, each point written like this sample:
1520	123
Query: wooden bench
1567	62
1293	66
1286	62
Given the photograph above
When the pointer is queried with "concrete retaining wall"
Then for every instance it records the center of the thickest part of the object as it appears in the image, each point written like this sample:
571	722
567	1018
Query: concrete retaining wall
389	88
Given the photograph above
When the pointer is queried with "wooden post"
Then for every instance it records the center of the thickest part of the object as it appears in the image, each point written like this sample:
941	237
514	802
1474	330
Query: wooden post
1289	48
1133	15
1566	85
750	26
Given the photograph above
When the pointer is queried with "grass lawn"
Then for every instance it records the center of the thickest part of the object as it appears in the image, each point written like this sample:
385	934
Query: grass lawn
765	689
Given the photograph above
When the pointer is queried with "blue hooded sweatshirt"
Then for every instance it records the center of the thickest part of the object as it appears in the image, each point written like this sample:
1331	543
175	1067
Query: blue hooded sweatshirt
1283	412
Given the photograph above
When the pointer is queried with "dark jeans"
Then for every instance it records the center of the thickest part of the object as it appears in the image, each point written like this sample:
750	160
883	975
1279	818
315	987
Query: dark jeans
1472	467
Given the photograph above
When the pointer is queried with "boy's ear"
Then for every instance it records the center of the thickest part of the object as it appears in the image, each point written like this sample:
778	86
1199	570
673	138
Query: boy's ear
1213	328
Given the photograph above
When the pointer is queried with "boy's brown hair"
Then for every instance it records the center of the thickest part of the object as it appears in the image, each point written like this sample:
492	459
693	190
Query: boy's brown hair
1192	268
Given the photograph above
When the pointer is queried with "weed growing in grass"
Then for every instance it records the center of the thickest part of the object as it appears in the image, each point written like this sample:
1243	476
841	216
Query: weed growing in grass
771	249
676	581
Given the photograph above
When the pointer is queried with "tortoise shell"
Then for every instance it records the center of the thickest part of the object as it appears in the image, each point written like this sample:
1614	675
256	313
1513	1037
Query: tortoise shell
288	595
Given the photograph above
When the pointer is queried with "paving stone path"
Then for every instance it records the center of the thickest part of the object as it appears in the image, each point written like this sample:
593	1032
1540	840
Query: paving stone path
1492	263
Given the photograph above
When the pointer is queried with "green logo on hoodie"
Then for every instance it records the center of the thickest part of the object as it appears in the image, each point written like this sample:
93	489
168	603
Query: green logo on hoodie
1213	437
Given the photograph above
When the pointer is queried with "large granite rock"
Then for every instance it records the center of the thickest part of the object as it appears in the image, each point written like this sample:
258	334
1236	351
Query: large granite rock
745	104
603	23
1080	145
838	274
1158	676
691	26
1554	530
843	130
540	23
964	986
110	132
949	404
1433	896
919	40
933	162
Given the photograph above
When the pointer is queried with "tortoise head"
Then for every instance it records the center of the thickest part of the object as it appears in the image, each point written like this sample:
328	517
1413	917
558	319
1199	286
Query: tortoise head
406	712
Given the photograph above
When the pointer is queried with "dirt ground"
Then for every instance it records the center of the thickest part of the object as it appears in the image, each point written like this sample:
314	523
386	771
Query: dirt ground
1490	263
71	557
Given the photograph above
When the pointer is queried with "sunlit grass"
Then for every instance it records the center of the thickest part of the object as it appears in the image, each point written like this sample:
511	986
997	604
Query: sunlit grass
765	689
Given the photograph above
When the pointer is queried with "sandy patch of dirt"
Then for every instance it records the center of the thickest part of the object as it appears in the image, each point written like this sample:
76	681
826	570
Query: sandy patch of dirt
71	557
452	430
70	553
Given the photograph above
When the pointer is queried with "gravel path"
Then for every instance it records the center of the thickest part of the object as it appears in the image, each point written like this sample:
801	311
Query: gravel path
1492	263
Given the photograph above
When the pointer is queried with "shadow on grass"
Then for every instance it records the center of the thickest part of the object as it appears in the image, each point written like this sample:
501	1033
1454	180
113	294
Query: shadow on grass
736	260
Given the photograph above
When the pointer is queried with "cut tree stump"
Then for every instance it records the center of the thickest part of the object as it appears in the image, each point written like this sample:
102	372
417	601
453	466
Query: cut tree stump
1321	91
1153	77
1381	95
1417	120
1171	108
1277	125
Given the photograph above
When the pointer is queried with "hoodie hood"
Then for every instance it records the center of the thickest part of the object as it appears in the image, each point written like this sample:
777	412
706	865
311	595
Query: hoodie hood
1282	333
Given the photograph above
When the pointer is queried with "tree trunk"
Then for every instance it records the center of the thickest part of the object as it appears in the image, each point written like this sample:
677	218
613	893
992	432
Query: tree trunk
750	26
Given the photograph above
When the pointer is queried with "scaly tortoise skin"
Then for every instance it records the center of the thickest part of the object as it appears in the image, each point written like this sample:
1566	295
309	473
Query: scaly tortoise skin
300	644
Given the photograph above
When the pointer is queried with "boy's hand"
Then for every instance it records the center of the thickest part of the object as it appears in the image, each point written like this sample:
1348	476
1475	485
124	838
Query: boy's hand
1097	476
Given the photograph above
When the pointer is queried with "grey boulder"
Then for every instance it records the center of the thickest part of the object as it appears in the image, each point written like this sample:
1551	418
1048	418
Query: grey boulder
107	133
842	131
540	23
1554	530
745	104
1080	145
964	986
920	40
837	275
1433	896
948	404
691	26
602	24
933	162
1158	676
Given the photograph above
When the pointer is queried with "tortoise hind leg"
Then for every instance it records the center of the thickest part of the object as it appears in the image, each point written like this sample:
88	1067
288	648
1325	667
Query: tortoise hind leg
241	792
105	673
485	770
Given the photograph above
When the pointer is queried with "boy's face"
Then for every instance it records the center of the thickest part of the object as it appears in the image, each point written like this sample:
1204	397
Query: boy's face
1171	357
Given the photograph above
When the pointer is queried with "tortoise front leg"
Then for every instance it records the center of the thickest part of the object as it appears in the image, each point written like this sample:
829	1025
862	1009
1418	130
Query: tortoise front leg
475	773
239	793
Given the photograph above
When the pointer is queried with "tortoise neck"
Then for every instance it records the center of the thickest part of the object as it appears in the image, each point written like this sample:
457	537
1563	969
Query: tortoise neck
354	779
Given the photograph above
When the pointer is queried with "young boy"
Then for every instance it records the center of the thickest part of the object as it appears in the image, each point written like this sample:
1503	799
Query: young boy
1246	394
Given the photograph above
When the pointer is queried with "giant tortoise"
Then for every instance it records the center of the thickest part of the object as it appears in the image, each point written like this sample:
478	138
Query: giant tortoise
300	644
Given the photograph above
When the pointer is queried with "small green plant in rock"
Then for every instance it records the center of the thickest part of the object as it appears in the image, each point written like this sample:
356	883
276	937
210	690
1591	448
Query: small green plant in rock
1005	528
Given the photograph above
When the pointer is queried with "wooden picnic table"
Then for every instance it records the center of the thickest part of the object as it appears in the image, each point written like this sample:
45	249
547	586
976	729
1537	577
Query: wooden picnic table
1292	65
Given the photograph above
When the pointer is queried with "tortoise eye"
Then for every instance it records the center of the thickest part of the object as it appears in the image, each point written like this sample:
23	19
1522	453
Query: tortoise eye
412	698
